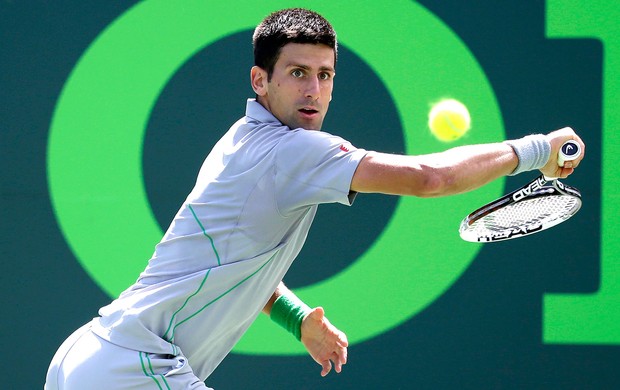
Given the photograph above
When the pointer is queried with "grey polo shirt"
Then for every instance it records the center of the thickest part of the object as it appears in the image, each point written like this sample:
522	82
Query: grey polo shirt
232	240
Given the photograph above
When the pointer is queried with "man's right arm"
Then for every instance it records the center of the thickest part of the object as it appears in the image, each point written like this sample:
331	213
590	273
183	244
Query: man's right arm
453	171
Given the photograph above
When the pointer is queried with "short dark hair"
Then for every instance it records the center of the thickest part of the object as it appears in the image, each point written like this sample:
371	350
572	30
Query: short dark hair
293	25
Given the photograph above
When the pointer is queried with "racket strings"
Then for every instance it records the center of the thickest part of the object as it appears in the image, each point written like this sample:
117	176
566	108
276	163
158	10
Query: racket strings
530	213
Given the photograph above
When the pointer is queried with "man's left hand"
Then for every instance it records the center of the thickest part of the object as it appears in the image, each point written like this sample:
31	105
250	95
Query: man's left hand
325	343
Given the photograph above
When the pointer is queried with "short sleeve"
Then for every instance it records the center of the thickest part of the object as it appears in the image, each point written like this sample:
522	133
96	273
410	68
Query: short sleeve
314	167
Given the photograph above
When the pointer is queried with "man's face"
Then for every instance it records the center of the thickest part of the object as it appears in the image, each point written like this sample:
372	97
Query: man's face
301	85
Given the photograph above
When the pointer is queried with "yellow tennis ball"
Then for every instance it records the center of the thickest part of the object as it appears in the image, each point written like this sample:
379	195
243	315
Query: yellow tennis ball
449	120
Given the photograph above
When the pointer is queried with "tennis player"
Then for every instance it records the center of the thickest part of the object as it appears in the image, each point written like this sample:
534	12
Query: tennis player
222	260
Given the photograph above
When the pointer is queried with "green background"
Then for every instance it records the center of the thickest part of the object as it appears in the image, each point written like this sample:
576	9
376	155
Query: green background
539	312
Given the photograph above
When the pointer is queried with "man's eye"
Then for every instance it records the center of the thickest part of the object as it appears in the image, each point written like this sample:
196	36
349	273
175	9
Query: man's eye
324	76
297	73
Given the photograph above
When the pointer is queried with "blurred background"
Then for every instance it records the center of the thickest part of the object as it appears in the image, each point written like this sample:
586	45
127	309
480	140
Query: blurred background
107	110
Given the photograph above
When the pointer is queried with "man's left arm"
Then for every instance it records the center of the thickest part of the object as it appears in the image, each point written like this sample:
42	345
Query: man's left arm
324	342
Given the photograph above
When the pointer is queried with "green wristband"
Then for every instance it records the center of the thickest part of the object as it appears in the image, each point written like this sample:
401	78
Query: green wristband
289	313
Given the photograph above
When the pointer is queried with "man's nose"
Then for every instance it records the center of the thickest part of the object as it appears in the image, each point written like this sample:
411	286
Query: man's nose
313	88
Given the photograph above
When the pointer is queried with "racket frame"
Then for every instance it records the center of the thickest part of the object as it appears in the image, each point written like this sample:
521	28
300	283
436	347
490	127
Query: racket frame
534	189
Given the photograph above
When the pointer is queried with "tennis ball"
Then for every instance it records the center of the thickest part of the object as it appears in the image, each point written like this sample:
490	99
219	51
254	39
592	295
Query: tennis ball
449	120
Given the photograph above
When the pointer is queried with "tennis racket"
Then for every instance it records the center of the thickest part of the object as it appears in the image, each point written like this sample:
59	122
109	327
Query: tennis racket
530	209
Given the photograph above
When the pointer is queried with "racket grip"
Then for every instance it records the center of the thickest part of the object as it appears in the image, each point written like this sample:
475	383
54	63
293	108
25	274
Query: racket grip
569	151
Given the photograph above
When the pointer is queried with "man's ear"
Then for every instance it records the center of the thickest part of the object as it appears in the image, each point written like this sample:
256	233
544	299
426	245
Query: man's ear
258	77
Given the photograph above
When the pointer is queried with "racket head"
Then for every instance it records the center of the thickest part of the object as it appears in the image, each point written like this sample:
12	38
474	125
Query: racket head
507	218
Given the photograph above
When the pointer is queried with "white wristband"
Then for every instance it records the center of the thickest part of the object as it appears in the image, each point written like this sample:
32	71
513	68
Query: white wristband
533	152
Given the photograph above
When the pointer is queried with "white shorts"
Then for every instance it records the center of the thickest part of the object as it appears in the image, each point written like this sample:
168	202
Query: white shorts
86	361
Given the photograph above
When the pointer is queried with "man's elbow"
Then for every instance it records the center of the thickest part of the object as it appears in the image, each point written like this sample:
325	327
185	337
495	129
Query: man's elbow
431	183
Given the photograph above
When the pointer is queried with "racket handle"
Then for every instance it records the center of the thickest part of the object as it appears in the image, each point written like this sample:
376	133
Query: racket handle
569	151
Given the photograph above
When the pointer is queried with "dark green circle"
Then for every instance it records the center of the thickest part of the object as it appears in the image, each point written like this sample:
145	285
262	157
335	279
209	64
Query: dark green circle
195	109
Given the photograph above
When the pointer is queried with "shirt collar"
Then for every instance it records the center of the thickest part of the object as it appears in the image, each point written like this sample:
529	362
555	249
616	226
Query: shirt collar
256	111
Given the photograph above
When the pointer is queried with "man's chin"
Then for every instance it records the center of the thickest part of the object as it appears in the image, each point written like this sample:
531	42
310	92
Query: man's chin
306	124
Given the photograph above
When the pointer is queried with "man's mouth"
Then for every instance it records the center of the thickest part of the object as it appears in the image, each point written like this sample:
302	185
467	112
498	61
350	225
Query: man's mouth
308	111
